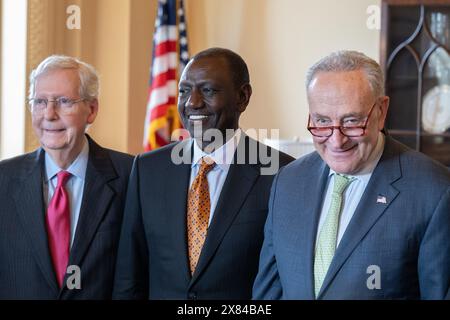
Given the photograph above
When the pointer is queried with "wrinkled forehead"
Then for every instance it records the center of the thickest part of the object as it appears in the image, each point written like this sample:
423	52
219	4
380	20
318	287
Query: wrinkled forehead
58	81
339	93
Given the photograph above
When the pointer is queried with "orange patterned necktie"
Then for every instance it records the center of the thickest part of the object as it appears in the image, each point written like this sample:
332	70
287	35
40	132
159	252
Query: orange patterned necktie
199	206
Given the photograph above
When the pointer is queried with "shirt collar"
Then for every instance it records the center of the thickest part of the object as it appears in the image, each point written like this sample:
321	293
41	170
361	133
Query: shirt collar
77	168
223	156
365	175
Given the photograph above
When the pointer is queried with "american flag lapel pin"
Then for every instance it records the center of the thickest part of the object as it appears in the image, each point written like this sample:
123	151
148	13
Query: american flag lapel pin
381	199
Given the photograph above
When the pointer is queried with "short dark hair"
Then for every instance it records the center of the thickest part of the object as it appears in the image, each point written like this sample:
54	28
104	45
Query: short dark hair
237	65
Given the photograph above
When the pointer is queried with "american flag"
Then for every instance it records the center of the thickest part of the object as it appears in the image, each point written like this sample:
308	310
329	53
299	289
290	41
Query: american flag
169	54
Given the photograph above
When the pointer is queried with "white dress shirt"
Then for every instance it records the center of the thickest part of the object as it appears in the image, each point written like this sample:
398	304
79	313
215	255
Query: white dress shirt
223	157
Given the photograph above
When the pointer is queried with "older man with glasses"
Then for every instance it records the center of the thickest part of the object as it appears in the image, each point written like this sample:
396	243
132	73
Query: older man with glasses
61	205
364	217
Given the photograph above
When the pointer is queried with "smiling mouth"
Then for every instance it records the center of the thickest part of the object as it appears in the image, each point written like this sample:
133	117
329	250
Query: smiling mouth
198	117
343	152
54	130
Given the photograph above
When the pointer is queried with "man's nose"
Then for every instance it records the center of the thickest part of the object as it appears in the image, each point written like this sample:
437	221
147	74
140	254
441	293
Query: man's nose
195	100
337	138
50	110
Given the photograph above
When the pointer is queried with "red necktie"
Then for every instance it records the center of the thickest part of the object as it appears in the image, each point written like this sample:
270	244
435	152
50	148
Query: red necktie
58	227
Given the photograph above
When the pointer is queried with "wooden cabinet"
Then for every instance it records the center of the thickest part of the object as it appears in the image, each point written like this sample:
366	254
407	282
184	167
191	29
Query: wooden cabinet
415	55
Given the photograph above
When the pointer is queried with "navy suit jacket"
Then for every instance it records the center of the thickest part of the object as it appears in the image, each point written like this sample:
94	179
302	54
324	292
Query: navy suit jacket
407	238
153	257
26	270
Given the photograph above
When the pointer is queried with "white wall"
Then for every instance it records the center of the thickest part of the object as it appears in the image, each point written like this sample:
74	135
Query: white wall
280	39
13	78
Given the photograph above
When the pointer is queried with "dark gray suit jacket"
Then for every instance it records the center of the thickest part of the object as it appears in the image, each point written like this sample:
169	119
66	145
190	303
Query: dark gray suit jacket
153	259
26	270
408	237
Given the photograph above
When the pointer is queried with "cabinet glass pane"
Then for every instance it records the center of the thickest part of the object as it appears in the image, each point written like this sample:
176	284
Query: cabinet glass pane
403	21
436	93
401	86
437	19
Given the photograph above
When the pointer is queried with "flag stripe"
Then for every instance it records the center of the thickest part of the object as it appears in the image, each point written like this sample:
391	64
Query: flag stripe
170	53
166	47
164	63
161	79
161	95
161	110
165	33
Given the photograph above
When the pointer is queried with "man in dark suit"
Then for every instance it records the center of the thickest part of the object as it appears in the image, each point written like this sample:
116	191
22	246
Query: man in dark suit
61	205
369	218
191	232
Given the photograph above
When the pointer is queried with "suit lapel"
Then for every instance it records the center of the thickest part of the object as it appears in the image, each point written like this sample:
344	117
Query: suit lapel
97	196
306	238
369	209
176	208
239	182
30	208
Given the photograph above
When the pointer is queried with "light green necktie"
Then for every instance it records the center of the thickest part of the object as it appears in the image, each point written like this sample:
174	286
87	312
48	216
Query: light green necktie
326	244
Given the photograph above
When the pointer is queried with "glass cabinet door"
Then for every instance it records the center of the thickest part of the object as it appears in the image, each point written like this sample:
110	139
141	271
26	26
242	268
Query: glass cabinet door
417	65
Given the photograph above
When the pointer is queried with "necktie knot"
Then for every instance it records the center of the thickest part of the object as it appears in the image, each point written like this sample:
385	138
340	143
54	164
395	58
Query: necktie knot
63	177
206	165
340	183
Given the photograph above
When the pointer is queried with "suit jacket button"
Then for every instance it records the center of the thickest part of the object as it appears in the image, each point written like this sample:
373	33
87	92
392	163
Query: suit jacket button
192	296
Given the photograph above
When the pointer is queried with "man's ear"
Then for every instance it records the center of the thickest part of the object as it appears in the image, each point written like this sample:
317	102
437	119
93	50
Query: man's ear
244	94
93	110
384	106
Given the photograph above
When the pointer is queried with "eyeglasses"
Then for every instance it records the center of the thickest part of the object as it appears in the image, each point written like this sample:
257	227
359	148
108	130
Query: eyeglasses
348	131
62	105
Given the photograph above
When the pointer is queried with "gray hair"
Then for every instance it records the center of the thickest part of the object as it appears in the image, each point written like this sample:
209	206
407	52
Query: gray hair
89	84
346	60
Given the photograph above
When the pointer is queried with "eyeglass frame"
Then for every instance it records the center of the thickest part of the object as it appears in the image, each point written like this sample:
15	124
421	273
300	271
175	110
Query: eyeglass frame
56	102
363	127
